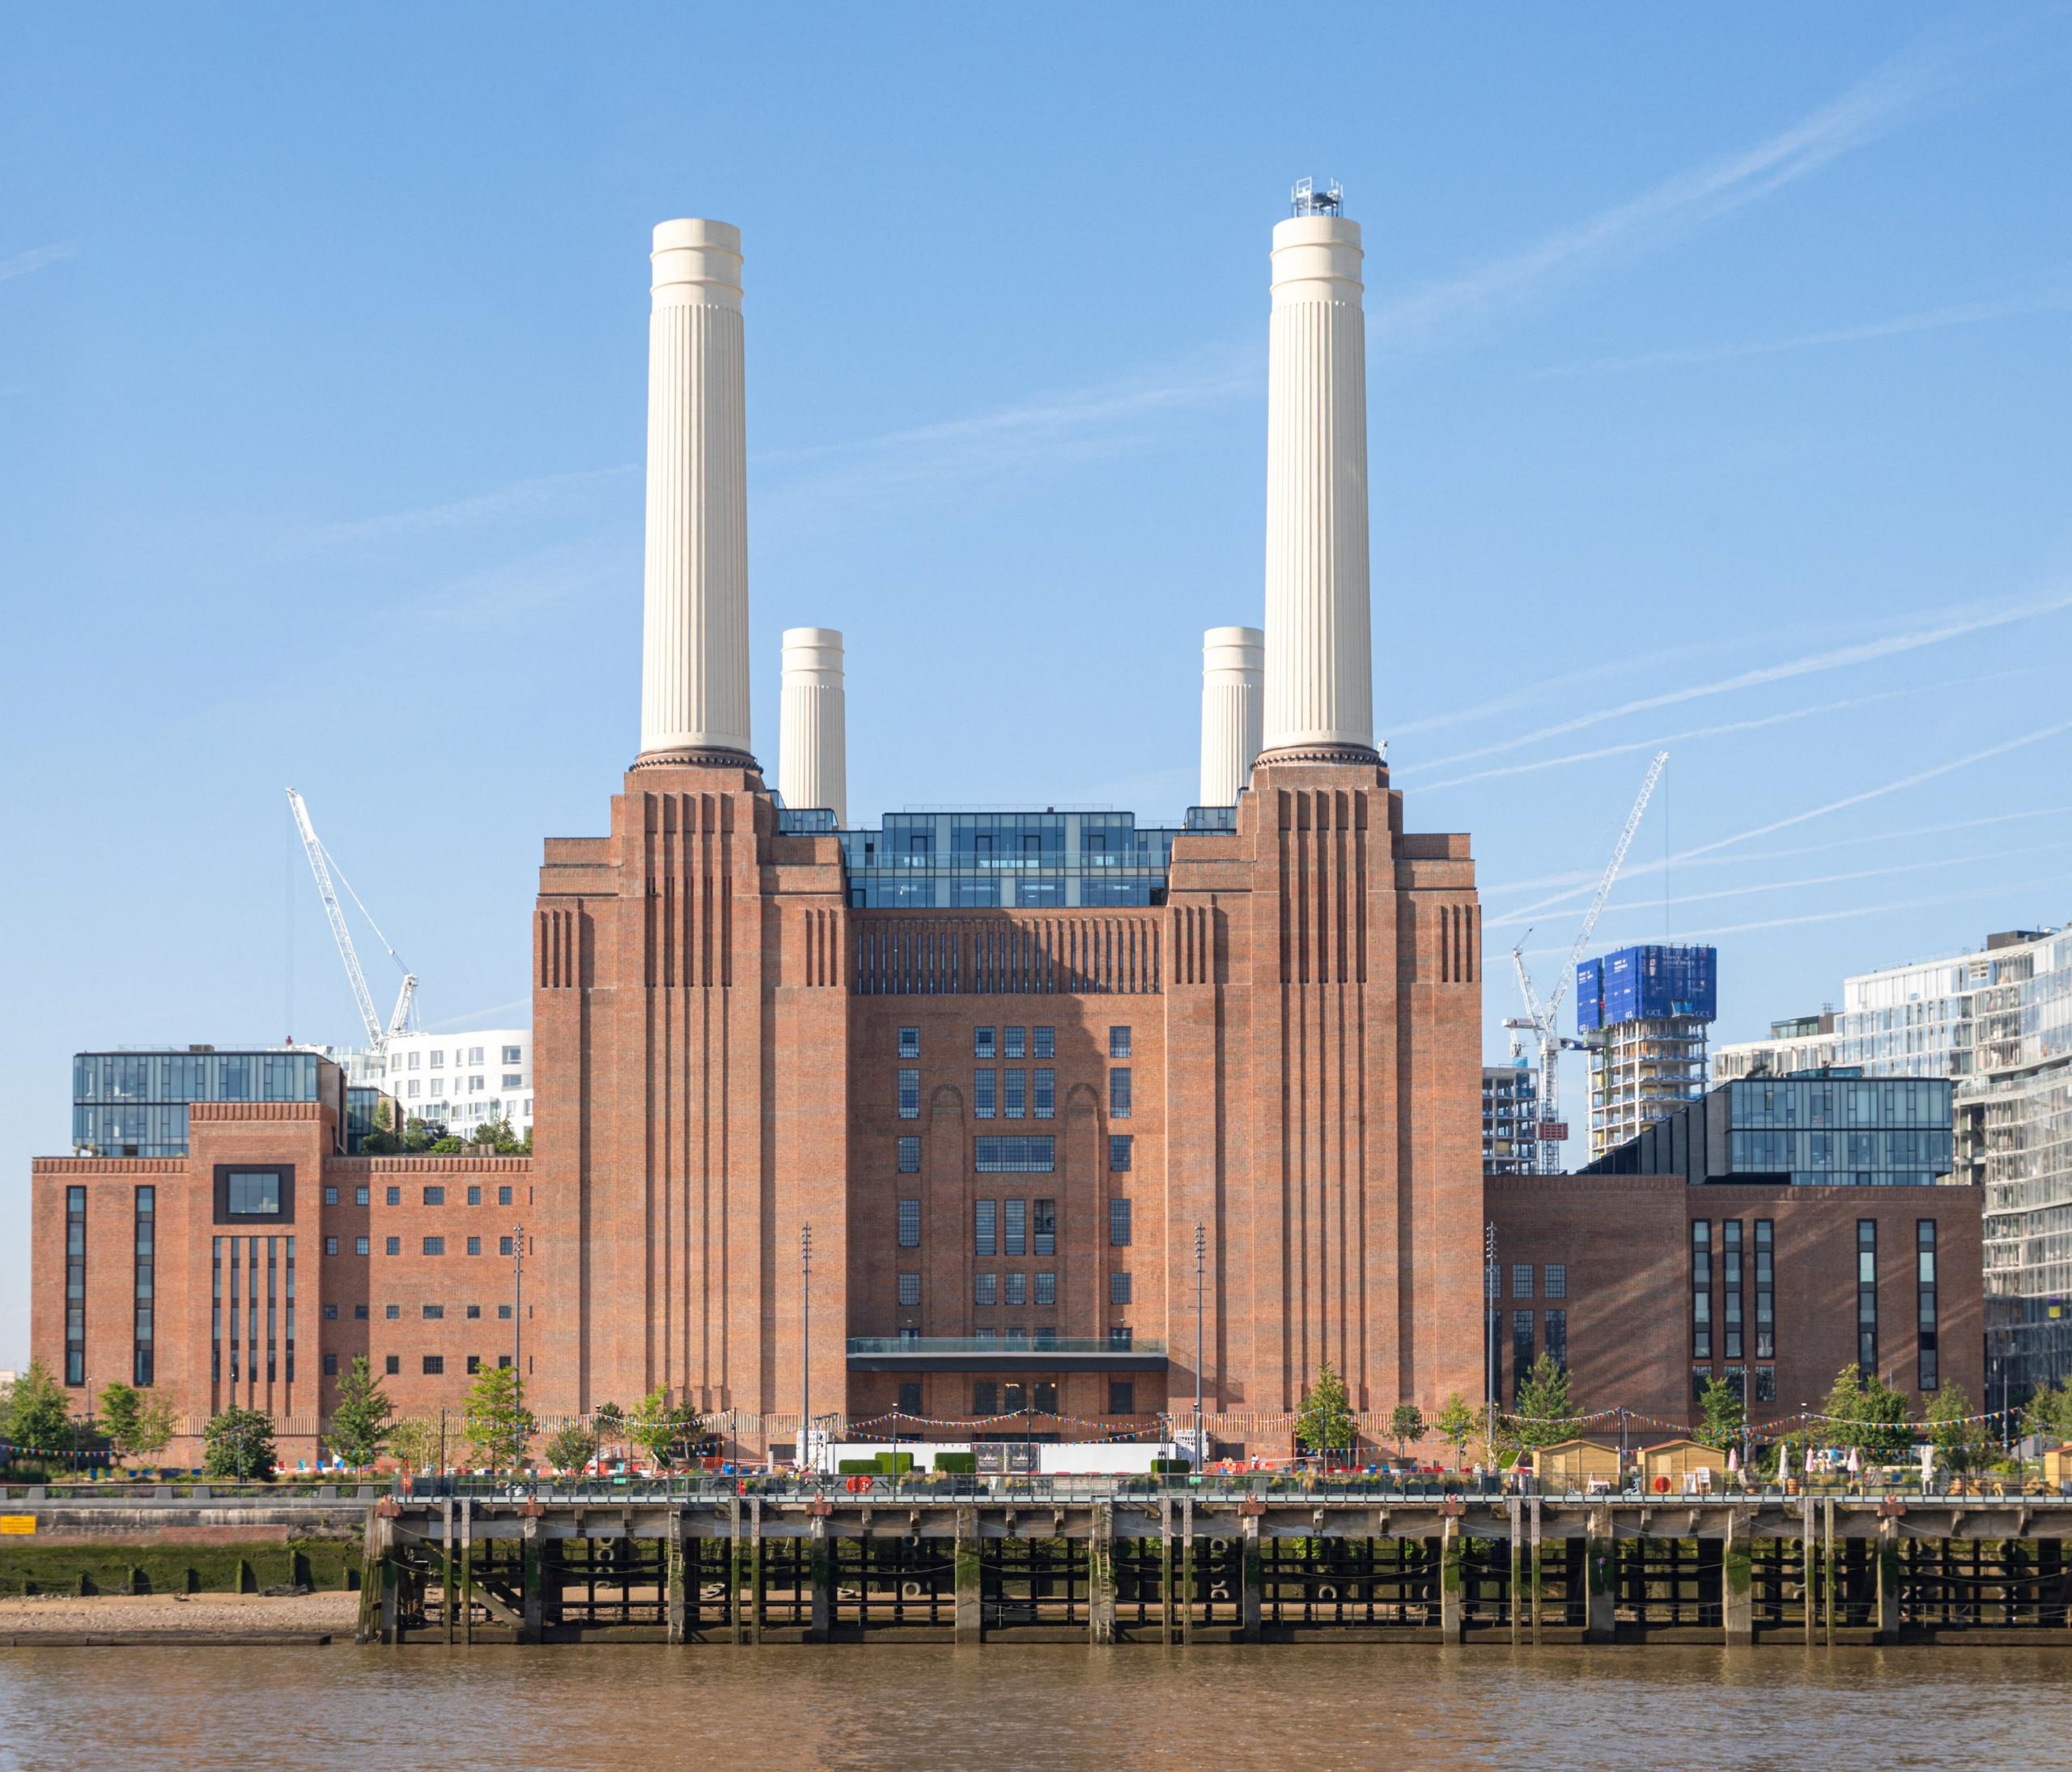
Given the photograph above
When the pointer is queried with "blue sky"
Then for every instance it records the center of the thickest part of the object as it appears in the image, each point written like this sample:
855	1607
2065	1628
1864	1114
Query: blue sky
1720	363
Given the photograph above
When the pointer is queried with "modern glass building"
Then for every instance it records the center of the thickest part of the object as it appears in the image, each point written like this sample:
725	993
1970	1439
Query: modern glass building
134	1103
1823	1130
1001	860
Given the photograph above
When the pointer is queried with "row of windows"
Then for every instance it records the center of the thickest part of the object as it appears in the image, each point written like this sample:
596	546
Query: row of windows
476	1086
1014	1396
984	1093
1737	1382
393	1312
986	1288
1014	1042
1008	1156
1522	1353
434	1364
432	1246
1733	1324
435	1195
1556	1280
512	1055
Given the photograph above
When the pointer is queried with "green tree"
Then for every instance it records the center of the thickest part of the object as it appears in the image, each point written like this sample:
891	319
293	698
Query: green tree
417	1443
1869	1415
498	1135
1324	1424
2047	1413
238	1444
381	1142
1456	1424
1726	1420
609	1420
444	1147
39	1414
138	1423
1544	1413
360	1421
665	1431
1405	1423
1963	1446
572	1445
498	1424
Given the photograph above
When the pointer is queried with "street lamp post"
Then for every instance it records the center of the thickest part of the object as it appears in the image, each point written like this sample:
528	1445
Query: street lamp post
805	1339
1201	1255
517	1325
1492	1318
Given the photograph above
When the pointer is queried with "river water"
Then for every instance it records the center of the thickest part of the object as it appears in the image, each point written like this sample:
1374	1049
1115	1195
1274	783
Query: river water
644	1706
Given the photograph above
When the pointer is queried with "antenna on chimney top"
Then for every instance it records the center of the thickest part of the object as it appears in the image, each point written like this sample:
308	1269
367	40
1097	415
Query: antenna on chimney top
1306	199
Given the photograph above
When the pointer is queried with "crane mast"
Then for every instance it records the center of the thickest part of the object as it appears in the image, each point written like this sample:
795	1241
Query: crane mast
1539	1017
321	864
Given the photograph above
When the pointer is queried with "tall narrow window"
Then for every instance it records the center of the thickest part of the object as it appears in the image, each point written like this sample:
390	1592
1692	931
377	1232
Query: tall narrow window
1014	1042
1521	1328
909	1042
216	1311
75	1286
985	1288
1866	1295
1119	1043
1046	1043
1119	1153
985	1085
1045	1090
1766	1328
985	1227
1119	1224
1730	1233
1931	1369
1118	1093
1701	1288
1522	1280
1557	1338
910	1224
1014	1227
1045	1230
1016	1093
146	1240
909	1156
910	1094
1119	1289
910	1289
287	1318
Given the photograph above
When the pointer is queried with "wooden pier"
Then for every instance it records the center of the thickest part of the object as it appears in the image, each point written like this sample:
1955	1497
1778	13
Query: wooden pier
1184	1566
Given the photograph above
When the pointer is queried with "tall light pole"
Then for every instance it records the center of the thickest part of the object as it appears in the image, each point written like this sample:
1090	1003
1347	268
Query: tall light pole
1493	1353
518	1309
805	1339
1201	1261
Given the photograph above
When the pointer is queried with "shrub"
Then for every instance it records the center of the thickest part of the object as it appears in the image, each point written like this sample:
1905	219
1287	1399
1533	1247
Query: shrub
856	1467
957	1463
893	1463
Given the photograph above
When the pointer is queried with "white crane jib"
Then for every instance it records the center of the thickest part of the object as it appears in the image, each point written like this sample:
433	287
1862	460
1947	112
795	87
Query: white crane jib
321	864
1540	1017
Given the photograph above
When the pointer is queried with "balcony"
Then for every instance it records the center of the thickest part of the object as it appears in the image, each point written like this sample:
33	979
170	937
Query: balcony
968	1353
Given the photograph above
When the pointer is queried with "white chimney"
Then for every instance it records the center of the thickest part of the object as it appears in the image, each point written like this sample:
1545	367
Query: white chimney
1320	693
694	659
813	749
1232	668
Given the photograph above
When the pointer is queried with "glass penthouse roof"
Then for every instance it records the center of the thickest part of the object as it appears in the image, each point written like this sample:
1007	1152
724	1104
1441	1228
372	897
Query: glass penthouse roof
944	861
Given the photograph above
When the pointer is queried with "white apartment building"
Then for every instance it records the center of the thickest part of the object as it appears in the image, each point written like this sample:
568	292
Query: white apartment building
1999	1021
459	1080
1805	1043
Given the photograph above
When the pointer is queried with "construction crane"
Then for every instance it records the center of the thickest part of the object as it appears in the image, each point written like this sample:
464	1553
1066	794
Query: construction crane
322	864
1539	1017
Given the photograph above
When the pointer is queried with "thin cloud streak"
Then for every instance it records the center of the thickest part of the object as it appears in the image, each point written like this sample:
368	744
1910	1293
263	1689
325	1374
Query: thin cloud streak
1837	658
477	1016
37	258
1997	888
521	498
1969	314
1629	231
1904	782
1906	834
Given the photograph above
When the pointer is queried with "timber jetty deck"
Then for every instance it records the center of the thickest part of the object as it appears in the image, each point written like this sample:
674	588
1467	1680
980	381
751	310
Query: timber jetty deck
1132	1560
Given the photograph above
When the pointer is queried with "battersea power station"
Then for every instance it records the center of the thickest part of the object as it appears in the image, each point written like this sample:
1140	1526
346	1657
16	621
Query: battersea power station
1079	1121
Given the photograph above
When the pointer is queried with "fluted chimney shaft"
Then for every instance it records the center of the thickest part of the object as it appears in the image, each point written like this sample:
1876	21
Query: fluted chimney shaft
694	663
812	748
1319	694
1232	668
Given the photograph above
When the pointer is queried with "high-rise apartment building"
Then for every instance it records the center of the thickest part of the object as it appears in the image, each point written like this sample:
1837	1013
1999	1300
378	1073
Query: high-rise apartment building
1803	1042
1998	1021
1643	1012
1510	1117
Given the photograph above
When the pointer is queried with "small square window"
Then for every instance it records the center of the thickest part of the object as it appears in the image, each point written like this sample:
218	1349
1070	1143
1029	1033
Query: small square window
435	1197
474	1246
434	1364
503	1310
359	1246
392	1365
392	1312
474	1364
434	1313
394	1246
503	1196
513	1055
359	1313
360	1196
435	1245
474	1196
981	1042
474	1311
330	1246
330	1196
502	1362
985	1288
395	1197
503	1246
1017	1289
330	1313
